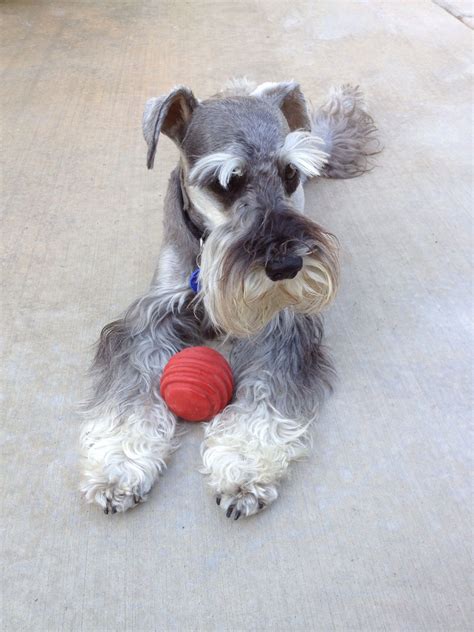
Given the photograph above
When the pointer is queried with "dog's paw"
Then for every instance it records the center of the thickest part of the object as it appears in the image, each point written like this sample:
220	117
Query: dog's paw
119	466
243	473
113	497
116	500
246	502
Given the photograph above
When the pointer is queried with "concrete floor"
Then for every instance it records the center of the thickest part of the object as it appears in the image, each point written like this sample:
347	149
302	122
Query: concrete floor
373	531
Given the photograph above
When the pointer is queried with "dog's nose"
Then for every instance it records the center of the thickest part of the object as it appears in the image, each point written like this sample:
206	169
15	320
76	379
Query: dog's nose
284	267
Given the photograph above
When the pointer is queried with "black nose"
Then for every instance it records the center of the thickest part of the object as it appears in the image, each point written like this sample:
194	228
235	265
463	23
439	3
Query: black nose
284	267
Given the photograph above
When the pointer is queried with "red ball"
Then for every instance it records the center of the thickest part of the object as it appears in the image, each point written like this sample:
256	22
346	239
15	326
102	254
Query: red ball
197	383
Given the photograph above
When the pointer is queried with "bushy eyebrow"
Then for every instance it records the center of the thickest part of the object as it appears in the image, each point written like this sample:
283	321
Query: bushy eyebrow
220	165
303	151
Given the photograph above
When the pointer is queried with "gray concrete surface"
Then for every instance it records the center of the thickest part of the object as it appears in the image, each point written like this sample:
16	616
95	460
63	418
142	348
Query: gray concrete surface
462	10
373	531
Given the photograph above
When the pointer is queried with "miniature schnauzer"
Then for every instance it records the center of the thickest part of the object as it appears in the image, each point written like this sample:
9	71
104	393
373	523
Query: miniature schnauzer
234	209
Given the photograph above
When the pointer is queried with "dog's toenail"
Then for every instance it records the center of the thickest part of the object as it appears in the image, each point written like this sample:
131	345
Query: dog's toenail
229	511
218	500
114	510
237	515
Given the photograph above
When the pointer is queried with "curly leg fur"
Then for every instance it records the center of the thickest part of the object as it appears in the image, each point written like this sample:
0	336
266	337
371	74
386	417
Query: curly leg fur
246	452
124	454
129	431
281	375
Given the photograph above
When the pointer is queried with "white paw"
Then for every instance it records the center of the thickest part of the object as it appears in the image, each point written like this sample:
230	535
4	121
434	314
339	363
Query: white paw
243	475
122	461
115	487
113	497
246	453
245	502
114	481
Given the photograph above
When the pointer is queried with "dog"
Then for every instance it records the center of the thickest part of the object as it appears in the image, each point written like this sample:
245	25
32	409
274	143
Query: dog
234	210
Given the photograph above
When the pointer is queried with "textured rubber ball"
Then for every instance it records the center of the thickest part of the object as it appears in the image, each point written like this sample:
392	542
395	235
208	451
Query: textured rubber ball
197	383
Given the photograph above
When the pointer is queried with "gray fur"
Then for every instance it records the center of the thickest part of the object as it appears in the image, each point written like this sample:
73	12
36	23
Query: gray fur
290	354
289	99
281	369
247	124
348	132
169	114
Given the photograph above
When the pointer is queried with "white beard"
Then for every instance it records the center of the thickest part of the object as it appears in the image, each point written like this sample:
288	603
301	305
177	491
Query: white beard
243	305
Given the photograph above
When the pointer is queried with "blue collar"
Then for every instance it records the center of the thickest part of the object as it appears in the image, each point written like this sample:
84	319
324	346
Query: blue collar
194	280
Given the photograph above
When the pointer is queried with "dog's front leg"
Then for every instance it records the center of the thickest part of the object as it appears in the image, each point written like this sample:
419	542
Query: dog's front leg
280	379
128	432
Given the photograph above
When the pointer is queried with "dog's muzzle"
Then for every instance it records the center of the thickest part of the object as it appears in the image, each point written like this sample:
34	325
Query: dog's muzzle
252	270
286	267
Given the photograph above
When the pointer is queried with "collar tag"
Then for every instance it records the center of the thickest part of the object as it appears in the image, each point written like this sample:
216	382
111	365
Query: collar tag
194	280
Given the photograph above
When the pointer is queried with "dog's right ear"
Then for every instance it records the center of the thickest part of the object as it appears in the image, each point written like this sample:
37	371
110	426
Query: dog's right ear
286	96
169	114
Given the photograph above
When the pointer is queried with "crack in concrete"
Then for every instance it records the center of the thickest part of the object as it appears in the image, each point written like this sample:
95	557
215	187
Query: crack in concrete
466	17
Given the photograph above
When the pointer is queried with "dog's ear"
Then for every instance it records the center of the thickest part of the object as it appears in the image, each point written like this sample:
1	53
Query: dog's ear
169	114
287	96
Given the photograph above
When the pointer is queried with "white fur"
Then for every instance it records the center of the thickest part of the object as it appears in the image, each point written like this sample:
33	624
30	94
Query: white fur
303	151
221	165
169	274
123	455
248	448
207	205
297	199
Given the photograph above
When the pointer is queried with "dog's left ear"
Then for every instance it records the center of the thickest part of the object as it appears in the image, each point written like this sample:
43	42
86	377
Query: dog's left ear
287	96
169	114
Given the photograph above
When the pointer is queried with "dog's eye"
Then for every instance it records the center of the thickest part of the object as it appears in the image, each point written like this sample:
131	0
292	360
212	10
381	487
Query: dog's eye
291	179
290	173
234	183
235	180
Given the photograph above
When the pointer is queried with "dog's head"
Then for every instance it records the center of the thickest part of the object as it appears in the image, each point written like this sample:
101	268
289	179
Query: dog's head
244	156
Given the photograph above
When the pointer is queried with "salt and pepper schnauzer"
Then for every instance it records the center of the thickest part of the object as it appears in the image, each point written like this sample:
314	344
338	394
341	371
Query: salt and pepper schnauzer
235	205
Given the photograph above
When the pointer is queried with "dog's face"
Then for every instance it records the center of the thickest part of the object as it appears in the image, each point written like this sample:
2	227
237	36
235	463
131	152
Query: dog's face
243	159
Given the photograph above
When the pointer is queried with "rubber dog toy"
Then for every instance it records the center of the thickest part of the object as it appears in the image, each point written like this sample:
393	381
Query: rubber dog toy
197	383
